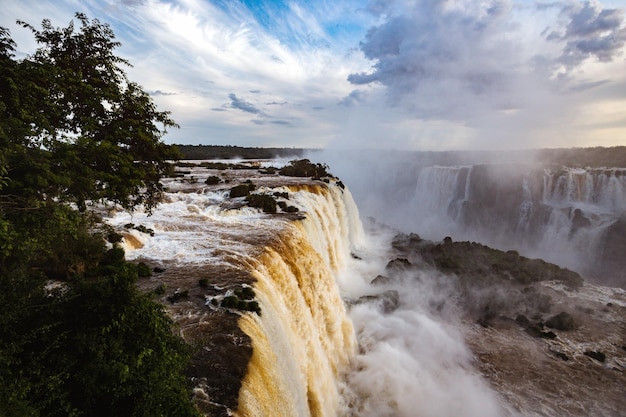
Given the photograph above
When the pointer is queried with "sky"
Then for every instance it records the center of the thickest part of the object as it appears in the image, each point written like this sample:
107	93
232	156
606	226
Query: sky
379	74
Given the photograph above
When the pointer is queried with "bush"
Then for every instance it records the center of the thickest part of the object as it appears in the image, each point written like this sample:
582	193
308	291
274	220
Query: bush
203	282
212	180
143	270
263	201
305	168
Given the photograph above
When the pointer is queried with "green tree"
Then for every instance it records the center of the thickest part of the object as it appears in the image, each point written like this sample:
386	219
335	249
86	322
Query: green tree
77	338
76	128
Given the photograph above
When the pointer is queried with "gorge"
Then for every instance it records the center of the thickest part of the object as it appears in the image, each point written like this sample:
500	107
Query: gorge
351	319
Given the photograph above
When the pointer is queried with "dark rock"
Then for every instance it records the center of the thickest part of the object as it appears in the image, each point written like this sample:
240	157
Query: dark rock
389	300
404	242
522	320
535	330
382	280
599	356
562	356
398	264
157	270
562	321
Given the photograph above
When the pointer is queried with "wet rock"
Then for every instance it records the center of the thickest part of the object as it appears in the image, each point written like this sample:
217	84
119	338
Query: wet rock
398	264
403	241
562	321
382	280
599	356
389	300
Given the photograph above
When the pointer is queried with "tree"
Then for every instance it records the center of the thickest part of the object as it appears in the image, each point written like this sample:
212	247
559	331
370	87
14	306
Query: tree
76	128
77	338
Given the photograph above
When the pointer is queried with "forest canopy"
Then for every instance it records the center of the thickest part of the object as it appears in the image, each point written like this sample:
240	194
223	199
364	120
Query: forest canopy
77	338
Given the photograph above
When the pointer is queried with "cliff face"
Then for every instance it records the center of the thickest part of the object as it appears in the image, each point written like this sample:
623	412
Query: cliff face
567	216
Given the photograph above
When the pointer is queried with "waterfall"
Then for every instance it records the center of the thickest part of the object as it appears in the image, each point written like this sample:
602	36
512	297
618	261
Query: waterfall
561	215
303	339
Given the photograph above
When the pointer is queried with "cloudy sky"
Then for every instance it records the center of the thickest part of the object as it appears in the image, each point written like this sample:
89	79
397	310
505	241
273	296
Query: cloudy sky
394	74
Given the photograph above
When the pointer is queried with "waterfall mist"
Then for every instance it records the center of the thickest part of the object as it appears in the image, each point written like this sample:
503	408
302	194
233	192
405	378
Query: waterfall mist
573	217
412	359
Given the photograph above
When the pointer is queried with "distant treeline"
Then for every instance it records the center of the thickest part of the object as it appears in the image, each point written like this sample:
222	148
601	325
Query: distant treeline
596	157
585	157
573	157
232	152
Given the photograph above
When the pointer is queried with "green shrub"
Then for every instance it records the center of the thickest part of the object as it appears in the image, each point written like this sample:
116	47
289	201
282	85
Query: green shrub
203	282
143	270
305	168
263	201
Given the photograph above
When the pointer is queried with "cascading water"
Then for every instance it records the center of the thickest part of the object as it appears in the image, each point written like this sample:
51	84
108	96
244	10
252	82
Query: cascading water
302	340
568	216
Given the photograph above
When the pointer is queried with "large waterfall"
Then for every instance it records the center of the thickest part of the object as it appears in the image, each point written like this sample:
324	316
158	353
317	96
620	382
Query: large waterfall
306	312
575	217
302	340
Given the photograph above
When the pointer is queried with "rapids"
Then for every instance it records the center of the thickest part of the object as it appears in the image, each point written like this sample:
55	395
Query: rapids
302	340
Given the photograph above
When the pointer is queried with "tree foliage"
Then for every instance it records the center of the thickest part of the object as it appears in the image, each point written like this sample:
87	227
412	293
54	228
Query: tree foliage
73	126
77	338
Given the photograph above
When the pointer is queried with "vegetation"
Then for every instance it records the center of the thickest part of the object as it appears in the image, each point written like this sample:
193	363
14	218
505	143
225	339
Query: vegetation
242	299
305	168
77	338
263	201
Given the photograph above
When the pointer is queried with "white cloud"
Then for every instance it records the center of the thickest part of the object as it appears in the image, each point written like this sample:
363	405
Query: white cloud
440	74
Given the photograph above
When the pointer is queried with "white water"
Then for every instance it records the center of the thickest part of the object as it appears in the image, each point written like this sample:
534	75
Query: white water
411	362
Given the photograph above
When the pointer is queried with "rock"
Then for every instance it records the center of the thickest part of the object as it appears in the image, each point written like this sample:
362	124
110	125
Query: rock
382	280
599	356
389	300
398	264
562	321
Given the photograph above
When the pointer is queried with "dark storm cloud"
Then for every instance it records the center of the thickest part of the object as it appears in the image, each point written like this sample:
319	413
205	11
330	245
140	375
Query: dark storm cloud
237	103
591	32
